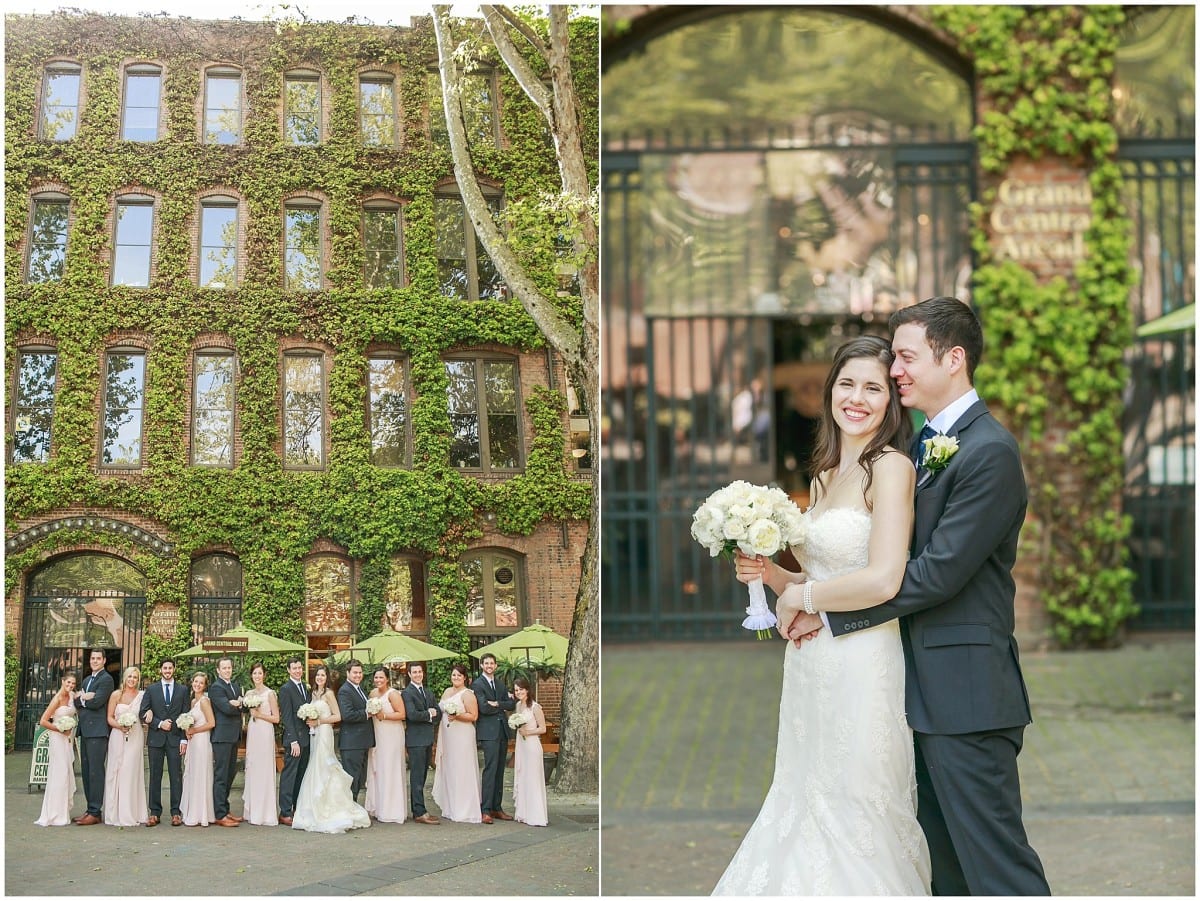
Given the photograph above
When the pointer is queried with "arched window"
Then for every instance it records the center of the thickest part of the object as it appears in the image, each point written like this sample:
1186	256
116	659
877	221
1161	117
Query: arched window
140	103
405	596
222	105
124	400
303	410
329	593
383	244
465	270
496	602
219	242
48	237
302	107
481	112
215	595
390	422
484	405
377	109
33	405
60	101
214	375
303	244
133	240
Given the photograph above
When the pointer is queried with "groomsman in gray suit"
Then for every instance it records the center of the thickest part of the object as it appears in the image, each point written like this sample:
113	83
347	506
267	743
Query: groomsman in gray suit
357	731
421	711
965	697
92	704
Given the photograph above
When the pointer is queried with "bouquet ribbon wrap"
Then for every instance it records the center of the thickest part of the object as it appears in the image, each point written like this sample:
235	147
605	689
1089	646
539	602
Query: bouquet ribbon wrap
759	616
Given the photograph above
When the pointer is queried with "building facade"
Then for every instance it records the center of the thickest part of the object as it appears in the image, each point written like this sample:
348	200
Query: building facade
260	367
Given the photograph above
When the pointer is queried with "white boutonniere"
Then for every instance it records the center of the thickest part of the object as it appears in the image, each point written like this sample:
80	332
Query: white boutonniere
938	451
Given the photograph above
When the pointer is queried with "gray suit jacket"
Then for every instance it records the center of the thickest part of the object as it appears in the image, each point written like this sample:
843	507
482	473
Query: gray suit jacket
956	602
357	729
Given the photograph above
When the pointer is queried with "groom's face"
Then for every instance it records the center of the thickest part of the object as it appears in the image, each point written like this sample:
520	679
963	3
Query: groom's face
924	381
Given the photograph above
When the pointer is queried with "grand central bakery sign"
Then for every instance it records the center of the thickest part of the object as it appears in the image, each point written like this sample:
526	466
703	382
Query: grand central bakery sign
1040	217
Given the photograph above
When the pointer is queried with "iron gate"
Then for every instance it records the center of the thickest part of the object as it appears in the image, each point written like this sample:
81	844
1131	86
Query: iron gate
55	635
1160	400
700	319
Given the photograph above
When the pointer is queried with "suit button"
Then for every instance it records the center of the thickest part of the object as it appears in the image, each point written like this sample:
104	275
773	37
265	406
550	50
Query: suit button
846	627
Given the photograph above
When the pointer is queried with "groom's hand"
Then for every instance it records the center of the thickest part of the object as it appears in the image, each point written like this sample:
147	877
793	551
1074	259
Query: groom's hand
787	608
803	627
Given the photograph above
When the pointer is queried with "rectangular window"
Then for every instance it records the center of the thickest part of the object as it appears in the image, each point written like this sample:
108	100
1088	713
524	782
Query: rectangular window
124	391
302	260
485	431
139	119
303	412
48	240
33	409
383	248
302	109
479	109
222	108
377	111
60	102
134	239
218	245
212	409
389	412
464	268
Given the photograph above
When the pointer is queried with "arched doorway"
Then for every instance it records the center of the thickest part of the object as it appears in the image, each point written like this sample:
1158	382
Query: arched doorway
72	603
776	180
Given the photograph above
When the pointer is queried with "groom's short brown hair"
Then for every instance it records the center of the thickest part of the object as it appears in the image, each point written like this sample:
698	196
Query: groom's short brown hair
948	323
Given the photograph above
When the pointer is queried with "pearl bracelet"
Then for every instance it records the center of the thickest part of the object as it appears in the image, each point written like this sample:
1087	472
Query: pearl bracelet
807	598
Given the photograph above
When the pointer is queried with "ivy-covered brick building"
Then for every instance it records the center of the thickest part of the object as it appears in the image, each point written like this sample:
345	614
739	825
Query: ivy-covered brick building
259	367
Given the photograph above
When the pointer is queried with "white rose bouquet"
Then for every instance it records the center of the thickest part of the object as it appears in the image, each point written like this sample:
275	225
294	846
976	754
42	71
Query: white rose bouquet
756	520
127	721
451	708
65	723
309	712
185	721
517	720
374	706
249	702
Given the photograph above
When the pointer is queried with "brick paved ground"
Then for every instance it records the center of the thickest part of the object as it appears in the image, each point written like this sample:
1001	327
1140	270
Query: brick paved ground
386	859
1108	768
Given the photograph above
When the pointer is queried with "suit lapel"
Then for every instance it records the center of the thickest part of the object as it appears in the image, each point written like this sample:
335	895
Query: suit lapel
973	412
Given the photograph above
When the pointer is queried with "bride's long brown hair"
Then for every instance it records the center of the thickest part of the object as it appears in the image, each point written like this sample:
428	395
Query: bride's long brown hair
896	429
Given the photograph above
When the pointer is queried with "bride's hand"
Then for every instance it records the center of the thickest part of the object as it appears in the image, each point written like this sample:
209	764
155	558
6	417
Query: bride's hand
787	607
749	568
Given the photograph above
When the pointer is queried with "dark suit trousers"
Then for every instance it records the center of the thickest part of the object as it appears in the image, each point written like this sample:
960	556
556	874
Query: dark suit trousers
418	769
291	778
491	795
174	773
92	757
224	767
354	762
969	805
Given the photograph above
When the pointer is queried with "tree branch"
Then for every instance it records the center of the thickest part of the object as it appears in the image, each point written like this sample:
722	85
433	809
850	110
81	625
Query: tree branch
496	23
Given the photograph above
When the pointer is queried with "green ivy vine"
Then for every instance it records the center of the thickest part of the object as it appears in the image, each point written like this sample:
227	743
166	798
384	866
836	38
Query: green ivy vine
269	517
1055	360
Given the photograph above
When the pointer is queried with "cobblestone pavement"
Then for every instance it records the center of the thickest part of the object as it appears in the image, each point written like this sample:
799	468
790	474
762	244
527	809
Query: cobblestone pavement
386	859
1107	771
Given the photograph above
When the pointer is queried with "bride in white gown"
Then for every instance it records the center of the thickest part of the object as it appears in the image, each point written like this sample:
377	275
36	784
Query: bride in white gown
840	816
325	803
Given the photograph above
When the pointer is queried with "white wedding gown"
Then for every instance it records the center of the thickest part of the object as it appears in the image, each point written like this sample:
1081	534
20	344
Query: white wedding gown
325	803
840	816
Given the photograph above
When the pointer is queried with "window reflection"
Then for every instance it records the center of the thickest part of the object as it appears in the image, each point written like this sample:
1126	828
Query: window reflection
123	397
135	229
60	102
212	410
218	245
377	111
464	268
48	240
382	249
33	411
389	412
139	120
495	598
479	109
303	411
328	602
303	251
222	108
405	596
485	432
302	109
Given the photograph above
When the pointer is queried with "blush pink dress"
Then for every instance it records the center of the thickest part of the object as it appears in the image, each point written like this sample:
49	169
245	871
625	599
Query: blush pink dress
260	804
387	776
60	776
457	780
125	772
529	779
197	804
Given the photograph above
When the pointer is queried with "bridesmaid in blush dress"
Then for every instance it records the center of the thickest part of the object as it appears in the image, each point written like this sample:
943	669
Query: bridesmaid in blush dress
529	774
60	773
456	782
125	772
259	796
197	805
387	780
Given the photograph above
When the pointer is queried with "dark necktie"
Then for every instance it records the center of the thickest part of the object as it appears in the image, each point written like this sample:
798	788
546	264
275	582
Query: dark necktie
167	689
918	453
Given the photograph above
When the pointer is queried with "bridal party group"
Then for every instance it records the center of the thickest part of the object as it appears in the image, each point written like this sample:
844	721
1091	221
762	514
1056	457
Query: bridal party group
388	741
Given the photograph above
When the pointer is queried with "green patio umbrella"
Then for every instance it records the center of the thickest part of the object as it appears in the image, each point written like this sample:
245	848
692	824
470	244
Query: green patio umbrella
1181	320
536	642
255	643
394	647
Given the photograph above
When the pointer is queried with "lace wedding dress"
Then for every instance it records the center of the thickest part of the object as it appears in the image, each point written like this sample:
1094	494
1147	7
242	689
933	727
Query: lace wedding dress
840	816
325	803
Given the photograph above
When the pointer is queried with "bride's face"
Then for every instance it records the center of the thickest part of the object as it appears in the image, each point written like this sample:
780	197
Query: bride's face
860	397
320	678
